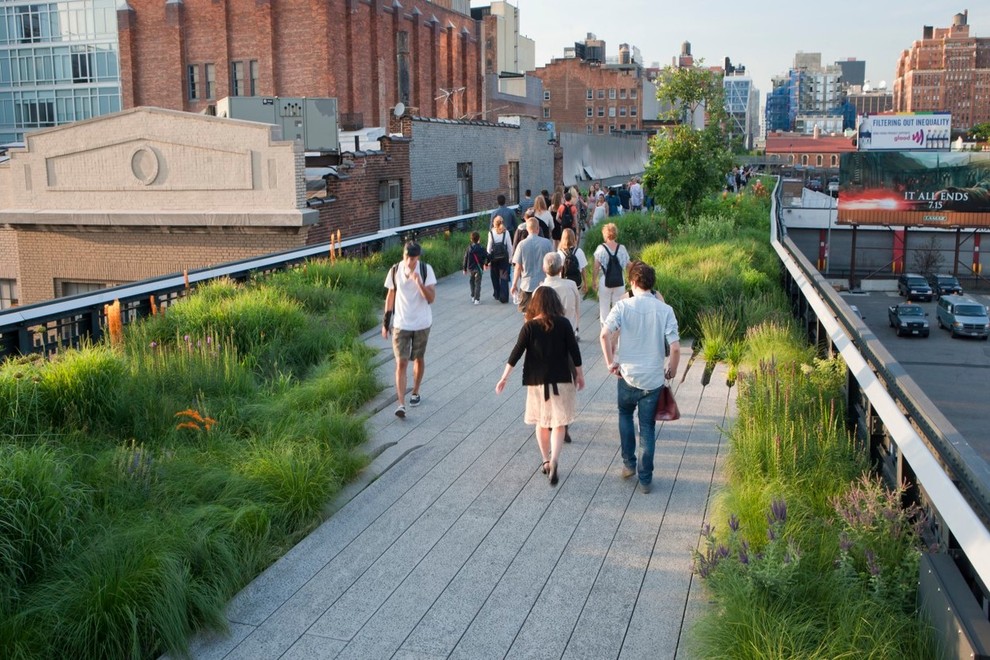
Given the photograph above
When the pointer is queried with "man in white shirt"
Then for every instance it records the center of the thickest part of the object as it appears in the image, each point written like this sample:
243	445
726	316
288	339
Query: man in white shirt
412	287
635	195
641	323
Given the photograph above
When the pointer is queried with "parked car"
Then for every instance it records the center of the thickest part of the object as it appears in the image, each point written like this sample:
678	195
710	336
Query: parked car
914	287
963	317
943	285
908	319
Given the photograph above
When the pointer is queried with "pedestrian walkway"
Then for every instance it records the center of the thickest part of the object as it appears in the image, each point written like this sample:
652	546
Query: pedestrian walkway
453	544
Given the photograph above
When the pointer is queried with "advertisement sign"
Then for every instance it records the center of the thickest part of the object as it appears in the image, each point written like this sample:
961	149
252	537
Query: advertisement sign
915	188
900	131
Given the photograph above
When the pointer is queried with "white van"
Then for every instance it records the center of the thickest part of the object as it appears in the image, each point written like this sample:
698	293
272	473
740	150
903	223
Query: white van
963	317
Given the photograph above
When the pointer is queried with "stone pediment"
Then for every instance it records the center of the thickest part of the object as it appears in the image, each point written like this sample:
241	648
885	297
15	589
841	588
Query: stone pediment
150	164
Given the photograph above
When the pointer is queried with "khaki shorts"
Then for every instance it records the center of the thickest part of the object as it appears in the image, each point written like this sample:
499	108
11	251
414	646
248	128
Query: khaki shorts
410	344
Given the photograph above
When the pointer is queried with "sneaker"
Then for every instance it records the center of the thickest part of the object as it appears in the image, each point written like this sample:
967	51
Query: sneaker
628	472
400	412
477	302
644	488
413	399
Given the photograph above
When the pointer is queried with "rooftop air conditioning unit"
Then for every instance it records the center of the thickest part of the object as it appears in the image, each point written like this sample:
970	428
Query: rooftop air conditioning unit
310	121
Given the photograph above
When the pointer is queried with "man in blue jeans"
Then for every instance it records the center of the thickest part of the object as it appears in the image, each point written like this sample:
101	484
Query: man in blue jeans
639	324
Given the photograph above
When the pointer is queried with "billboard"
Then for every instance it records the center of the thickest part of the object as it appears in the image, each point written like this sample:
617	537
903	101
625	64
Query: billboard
900	131
915	188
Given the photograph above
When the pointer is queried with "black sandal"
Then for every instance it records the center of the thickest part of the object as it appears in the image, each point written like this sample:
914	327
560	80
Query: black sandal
543	468
553	475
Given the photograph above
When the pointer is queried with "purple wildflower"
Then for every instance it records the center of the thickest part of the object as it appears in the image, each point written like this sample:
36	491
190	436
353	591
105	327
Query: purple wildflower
845	544
778	507
734	523
771	534
209	340
153	344
721	552
871	563
186	338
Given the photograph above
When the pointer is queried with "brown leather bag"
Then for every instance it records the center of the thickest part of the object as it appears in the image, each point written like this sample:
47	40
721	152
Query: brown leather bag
667	410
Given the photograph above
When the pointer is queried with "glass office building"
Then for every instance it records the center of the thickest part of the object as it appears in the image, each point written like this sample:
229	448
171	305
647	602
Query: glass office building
58	64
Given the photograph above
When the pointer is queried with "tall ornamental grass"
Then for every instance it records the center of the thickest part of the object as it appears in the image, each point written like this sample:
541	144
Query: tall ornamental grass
143	483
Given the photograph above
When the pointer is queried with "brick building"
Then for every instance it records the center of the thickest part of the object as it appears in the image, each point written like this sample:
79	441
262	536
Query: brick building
141	193
947	70
813	151
437	168
595	98
368	54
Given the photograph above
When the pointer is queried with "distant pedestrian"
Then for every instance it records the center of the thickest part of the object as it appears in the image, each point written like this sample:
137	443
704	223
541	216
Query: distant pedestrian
499	256
526	203
508	215
612	199
412	287
635	195
475	261
528	262
610	261
543	214
640	325
601	211
552	374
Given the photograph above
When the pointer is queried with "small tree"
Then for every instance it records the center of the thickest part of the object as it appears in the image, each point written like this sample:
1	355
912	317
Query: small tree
981	132
928	258
688	164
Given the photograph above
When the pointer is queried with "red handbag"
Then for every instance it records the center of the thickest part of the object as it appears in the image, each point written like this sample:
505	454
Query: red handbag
667	410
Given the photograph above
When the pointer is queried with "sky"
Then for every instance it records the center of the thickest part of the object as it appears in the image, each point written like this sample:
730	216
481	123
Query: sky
763	36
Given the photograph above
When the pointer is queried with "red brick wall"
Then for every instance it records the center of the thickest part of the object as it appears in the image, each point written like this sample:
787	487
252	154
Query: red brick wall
339	48
568	81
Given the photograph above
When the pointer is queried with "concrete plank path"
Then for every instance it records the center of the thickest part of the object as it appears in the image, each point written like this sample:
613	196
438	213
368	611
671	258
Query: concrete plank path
452	544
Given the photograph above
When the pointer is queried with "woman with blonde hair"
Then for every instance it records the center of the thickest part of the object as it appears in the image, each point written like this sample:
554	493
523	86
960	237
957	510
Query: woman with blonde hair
611	261
543	214
552	374
499	254
569	250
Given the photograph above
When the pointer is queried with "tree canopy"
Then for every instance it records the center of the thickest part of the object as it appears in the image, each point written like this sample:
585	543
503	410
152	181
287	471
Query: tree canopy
688	164
981	132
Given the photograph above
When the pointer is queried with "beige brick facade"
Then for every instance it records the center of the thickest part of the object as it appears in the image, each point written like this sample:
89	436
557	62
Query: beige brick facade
146	192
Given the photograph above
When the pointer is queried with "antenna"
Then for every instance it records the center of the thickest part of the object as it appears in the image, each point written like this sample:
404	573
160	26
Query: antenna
399	110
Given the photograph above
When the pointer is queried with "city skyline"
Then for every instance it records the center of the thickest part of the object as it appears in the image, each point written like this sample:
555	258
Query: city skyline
722	29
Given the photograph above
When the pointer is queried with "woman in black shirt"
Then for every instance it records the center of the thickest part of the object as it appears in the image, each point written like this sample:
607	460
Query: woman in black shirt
552	374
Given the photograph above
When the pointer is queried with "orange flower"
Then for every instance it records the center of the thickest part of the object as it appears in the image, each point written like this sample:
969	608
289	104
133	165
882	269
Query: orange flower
188	425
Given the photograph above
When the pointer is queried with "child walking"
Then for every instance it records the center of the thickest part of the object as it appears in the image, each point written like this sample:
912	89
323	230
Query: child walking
475	260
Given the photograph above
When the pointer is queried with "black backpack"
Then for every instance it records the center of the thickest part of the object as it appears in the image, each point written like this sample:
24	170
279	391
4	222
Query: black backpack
613	270
572	269
566	218
500	251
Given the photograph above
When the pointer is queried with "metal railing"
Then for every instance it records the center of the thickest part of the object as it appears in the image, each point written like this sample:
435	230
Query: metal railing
67	322
918	445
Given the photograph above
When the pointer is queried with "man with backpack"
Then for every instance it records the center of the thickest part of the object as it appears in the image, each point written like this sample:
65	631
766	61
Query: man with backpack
412	287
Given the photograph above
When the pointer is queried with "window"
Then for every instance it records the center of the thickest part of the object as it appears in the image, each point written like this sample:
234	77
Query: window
590	129
546	95
465	187
591	94
601	93
611	128
633	111
601	111
611	112
804	159
81	64
611	94
192	75
590	112
622	111
601	129
67	288
237	79
835	160
513	182
622	93
622	127
253	70
211	80
819	160
546	113
632	93
29	23
8	294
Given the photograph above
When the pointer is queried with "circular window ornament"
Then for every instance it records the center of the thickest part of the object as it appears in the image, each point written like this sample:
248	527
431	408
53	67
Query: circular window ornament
145	164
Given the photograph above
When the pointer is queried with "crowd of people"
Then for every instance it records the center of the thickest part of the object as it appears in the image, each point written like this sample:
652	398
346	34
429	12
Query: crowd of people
540	264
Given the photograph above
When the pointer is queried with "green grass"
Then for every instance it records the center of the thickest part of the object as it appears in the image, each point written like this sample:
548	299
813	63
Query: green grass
141	486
